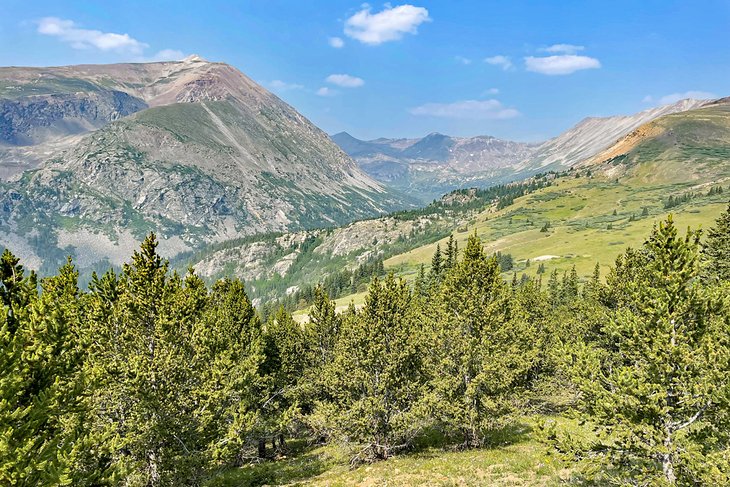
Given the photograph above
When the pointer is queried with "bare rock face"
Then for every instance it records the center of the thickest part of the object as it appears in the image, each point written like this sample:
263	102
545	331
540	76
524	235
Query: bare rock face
193	150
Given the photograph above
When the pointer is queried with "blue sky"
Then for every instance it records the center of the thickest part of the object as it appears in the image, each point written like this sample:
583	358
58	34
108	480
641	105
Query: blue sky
519	70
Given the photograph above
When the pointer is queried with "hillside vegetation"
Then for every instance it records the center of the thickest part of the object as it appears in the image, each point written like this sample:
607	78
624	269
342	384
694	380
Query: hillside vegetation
151	378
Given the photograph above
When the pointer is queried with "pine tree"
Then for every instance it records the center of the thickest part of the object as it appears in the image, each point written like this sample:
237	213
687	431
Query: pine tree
228	357
554	290
286	357
481	351
591	290
145	399
569	287
716	250
436	264
324	328
421	284
450	254
377	378
42	430
655	379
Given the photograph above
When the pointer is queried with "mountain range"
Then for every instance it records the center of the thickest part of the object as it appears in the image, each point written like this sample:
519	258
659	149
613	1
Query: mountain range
428	167
95	156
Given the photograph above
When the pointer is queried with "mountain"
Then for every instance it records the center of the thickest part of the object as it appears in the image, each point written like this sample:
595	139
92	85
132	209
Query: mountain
433	165
95	156
678	163
684	146
593	135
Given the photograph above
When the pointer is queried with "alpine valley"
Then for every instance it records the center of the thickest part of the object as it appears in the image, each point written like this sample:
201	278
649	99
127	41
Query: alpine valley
201	288
94	157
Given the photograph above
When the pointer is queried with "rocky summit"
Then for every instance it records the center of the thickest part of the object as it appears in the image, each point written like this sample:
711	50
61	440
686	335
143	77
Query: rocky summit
93	157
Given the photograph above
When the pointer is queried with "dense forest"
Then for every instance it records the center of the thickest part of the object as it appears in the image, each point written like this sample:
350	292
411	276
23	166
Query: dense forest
153	378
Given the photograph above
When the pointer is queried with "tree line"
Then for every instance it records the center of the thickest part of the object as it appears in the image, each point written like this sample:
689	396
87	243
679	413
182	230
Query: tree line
152	378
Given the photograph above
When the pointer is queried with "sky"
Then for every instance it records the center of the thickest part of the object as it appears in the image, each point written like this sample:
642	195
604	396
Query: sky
520	70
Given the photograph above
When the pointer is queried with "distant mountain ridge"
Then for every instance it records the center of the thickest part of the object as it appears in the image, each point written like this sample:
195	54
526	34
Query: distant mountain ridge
430	166
95	156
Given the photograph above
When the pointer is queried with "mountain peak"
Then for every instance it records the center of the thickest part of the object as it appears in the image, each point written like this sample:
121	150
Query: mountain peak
194	58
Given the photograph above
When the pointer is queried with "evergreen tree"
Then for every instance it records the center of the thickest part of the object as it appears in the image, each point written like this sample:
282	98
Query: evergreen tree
377	379
592	289
436	264
42	427
145	400
554	290
324	328
450	254
286	356
228	357
716	250
655	379
569	288
481	348
421	284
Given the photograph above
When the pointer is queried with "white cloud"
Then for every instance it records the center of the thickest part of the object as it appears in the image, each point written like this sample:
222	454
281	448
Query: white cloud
67	31
389	25
462	60
562	49
491	91
166	55
467	109
324	91
558	65
280	85
336	42
675	97
503	61
345	80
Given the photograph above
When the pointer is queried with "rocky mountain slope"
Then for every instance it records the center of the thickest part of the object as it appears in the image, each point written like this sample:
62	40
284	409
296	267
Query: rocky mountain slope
593	135
685	146
433	165
96	156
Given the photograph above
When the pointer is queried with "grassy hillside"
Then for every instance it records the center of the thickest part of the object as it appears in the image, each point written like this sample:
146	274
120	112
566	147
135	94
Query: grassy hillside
611	202
590	220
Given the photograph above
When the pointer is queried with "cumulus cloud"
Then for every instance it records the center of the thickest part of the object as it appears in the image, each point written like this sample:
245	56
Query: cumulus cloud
502	61
345	80
71	33
560	65
391	24
325	91
562	49
491	91
336	42
462	60
280	85
68	31
675	97
467	109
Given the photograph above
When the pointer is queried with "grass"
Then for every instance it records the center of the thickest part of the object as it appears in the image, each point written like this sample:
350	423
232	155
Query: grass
520	459
579	211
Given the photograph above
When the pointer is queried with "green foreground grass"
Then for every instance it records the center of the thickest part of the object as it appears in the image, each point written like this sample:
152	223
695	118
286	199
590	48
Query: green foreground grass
521	458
